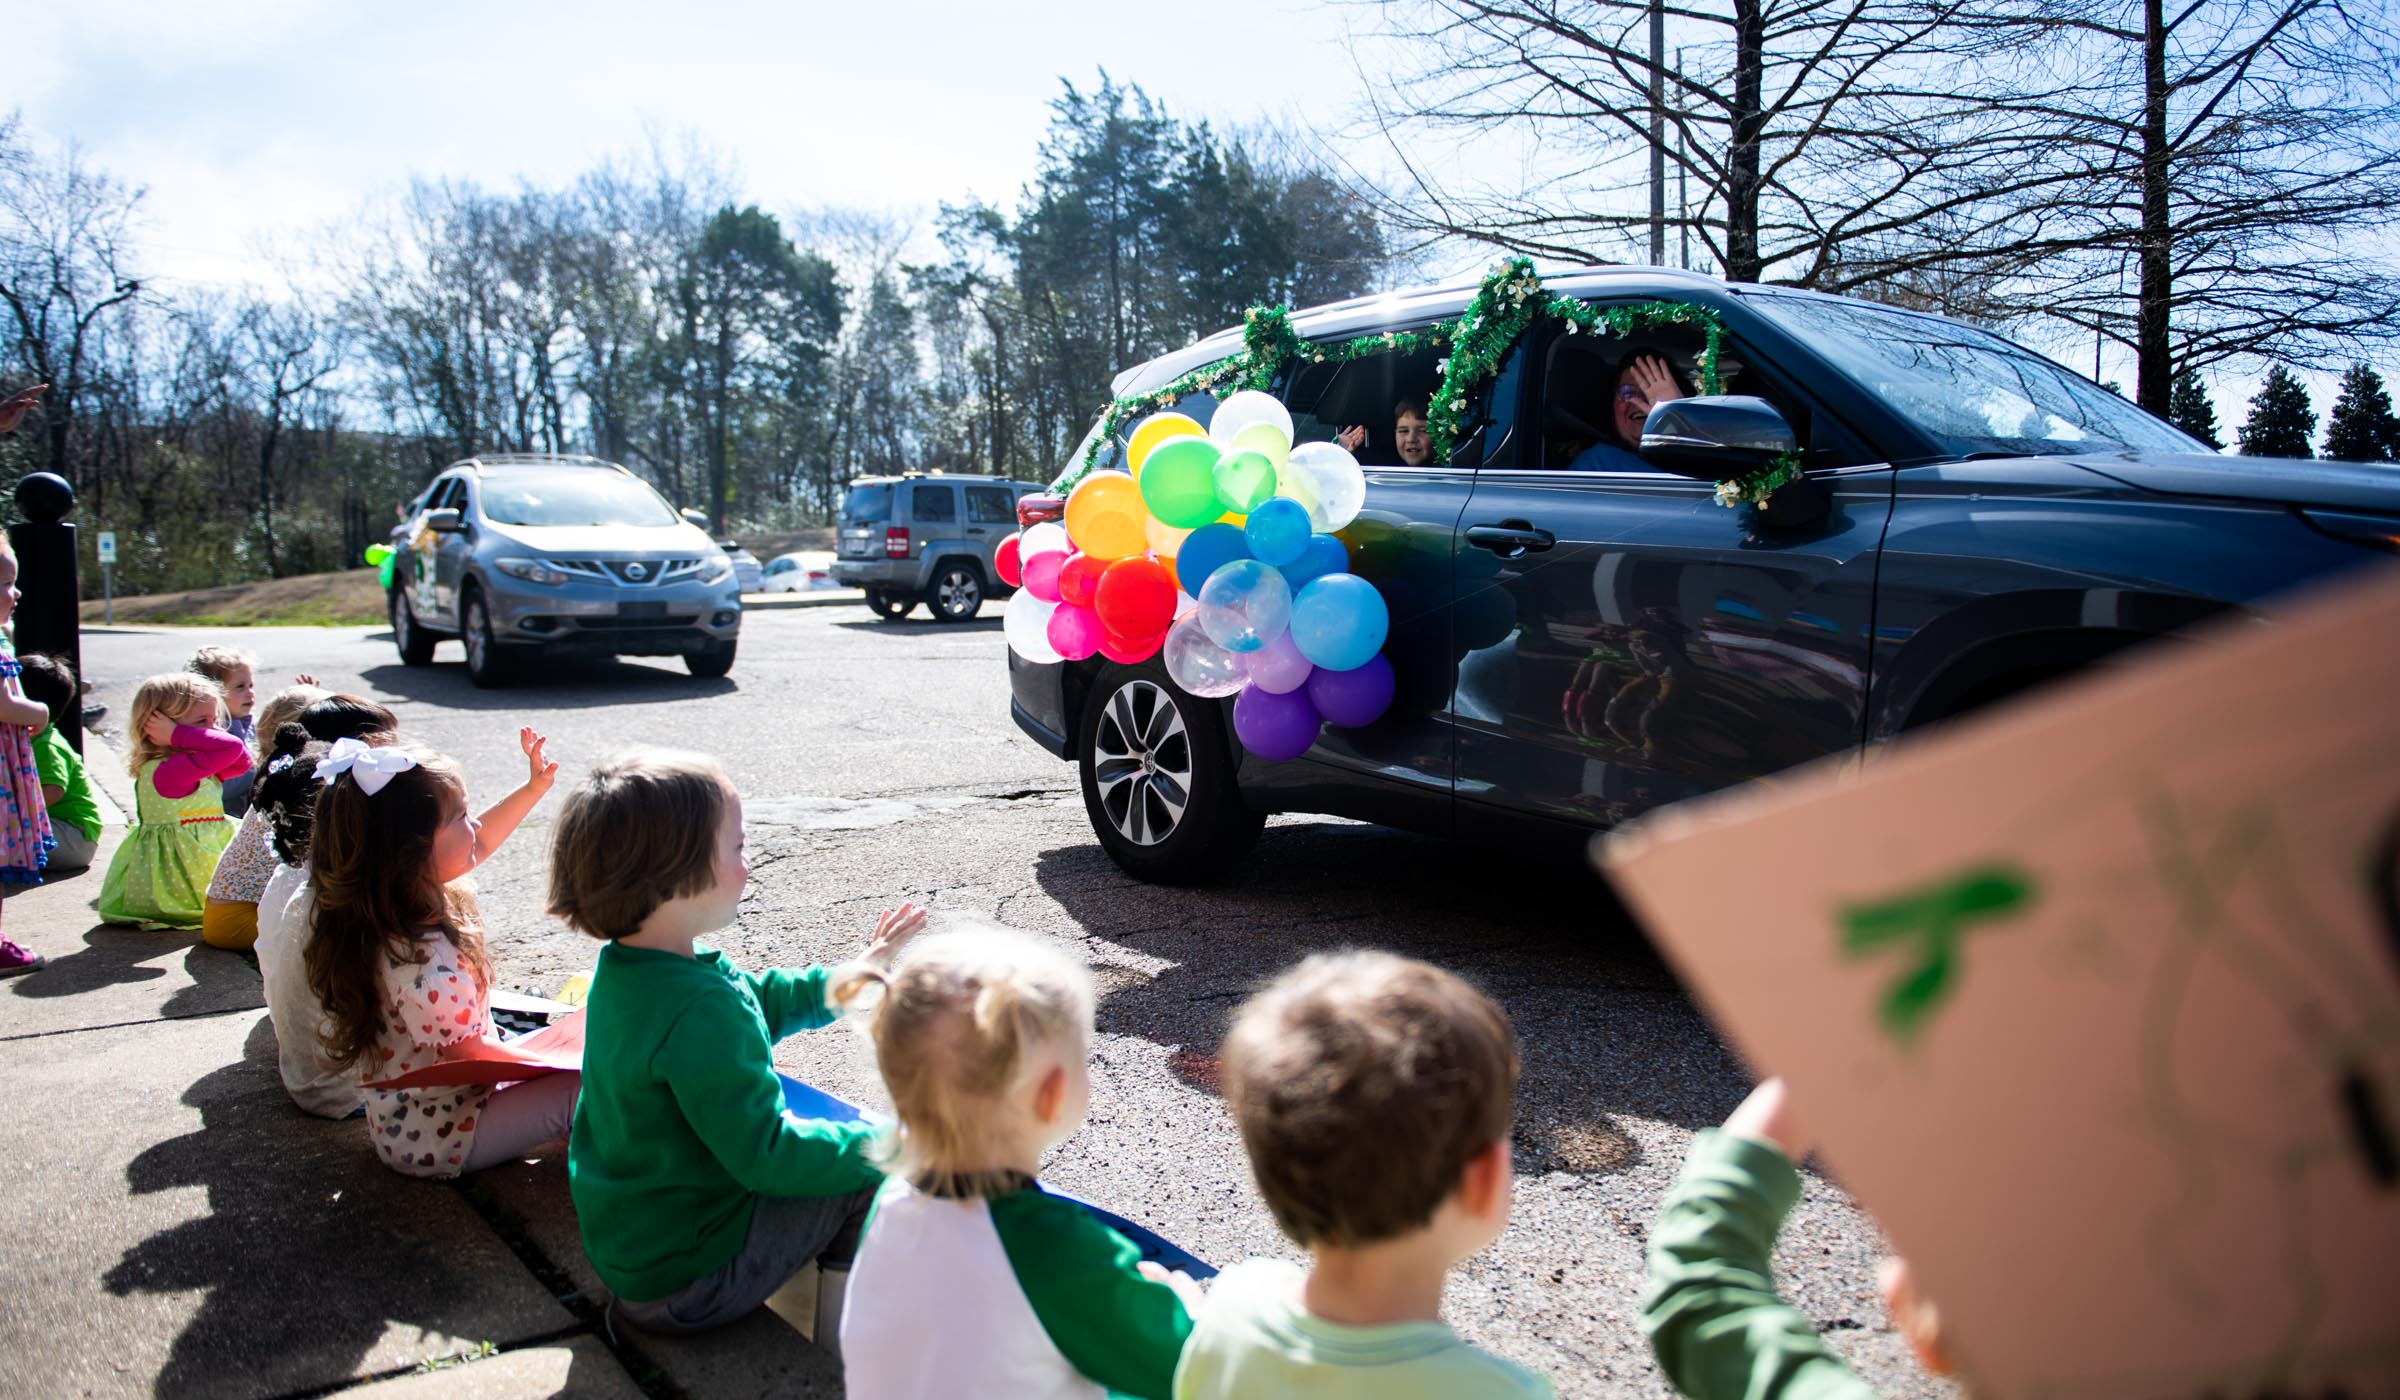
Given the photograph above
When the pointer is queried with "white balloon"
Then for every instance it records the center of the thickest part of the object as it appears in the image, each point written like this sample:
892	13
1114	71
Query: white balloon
1331	485
1197	664
1241	410
1026	624
1042	539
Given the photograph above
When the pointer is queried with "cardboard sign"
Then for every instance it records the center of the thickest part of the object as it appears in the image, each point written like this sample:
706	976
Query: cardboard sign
557	1046
2094	1002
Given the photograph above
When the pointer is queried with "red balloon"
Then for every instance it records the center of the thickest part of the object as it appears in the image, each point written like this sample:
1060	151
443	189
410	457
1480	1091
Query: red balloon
1080	579
1131	653
1136	597
1006	563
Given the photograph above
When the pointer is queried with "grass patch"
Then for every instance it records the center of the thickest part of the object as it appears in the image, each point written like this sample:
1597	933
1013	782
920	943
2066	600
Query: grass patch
351	598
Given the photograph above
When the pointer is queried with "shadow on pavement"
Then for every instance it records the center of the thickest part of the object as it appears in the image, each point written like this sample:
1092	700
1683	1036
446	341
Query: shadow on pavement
1601	1023
558	684
913	626
117	954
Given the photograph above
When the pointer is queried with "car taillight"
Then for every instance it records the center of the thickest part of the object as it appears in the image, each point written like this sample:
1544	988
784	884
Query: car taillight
1033	510
895	542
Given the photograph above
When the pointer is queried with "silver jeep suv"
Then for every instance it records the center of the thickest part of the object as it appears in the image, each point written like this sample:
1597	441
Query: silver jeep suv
925	538
521	555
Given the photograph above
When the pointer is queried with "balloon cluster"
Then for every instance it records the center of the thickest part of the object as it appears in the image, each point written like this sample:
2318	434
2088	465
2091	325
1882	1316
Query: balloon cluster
1217	548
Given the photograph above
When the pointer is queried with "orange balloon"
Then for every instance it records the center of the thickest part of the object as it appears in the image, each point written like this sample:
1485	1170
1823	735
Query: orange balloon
1105	516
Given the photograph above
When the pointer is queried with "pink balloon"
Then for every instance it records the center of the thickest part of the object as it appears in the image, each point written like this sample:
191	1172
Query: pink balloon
1075	633
1278	667
1041	574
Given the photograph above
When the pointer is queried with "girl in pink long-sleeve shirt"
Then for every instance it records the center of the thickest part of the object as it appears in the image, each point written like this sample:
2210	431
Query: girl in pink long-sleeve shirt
179	759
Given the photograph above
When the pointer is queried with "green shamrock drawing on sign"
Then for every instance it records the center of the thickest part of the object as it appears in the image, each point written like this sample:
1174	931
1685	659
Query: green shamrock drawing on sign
1925	927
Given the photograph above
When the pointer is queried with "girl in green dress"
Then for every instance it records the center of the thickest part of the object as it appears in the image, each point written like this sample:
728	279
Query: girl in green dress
180	759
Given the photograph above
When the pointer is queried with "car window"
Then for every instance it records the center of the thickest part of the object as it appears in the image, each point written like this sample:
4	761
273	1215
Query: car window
869	500
929	504
991	505
782	566
1384	395
451	496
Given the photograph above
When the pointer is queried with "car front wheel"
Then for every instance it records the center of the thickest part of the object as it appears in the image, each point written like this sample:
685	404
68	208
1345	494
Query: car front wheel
1158	781
489	665
413	642
711	661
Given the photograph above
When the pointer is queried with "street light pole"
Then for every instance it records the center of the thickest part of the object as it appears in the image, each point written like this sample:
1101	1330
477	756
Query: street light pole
1658	133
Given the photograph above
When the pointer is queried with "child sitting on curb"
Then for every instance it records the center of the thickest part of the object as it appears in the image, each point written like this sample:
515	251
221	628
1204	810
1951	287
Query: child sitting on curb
696	1194
66	785
1376	1096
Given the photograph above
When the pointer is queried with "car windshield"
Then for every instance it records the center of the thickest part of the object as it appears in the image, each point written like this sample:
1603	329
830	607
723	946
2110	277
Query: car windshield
1970	390
576	496
868	501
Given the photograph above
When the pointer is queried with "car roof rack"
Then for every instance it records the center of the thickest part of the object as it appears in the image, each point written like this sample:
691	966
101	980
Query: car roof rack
538	459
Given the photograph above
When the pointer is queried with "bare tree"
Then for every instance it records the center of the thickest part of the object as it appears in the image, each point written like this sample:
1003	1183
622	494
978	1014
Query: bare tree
288	350
64	265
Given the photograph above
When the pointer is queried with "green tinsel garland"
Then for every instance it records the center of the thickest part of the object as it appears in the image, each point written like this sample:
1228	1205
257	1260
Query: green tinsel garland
1507	300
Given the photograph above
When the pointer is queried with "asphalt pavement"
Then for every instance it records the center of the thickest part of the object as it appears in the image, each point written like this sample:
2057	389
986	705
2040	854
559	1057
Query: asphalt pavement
179	1229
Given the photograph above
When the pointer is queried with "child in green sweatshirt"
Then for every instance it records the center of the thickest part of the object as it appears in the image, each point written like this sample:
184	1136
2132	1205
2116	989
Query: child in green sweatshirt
697	1195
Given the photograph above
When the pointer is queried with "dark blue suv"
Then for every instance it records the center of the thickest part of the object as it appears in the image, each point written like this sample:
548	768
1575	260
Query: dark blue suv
1576	646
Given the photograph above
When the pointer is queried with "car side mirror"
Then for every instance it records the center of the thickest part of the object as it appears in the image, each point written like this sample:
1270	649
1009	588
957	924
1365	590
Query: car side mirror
445	521
696	517
1715	435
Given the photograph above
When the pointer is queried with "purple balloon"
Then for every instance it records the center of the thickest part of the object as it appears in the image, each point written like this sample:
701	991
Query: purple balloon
1348	699
1278	666
1274	727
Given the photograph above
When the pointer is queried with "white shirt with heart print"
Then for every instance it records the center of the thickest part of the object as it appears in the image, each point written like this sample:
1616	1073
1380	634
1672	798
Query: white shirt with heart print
426	1005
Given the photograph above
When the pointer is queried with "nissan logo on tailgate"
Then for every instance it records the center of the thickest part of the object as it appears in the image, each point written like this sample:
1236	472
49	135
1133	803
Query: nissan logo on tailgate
637	572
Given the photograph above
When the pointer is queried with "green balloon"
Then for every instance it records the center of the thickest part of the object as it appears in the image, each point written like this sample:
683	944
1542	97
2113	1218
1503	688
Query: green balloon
1244	481
1179	483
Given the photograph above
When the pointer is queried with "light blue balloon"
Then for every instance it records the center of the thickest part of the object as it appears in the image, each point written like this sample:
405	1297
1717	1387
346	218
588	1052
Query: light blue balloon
1324	555
1206	550
1277	531
1245	605
1338	621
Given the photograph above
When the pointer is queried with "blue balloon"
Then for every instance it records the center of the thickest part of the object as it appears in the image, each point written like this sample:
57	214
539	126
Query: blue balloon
1339	621
1277	531
1206	550
1324	555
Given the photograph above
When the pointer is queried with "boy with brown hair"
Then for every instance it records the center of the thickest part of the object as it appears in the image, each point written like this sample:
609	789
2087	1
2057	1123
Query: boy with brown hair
1375	1095
696	1194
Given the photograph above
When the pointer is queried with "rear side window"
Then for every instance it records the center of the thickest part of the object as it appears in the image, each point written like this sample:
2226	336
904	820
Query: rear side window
872	501
931	504
991	505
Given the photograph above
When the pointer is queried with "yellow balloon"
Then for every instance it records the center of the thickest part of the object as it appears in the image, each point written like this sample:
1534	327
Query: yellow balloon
1265	439
1155	429
1236	521
1165	540
1105	516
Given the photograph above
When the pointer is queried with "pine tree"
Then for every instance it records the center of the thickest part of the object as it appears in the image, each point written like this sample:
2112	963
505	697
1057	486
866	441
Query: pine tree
2361	427
2281	421
2188	408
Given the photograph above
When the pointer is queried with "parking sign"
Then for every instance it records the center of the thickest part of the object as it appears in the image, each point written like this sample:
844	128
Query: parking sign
108	546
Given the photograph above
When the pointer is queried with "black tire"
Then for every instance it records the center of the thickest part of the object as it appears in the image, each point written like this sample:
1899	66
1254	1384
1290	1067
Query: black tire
891	607
413	642
1144	743
712	661
489	664
957	592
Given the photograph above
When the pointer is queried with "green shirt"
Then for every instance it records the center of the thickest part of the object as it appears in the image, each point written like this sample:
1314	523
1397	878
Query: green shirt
60	767
1255	1338
680	1128
1715	1322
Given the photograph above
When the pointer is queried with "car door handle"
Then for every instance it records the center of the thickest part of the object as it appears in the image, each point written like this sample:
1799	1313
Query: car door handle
1510	538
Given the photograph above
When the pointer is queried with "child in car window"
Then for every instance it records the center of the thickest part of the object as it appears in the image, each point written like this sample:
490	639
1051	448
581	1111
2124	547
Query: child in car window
1410	437
1643	380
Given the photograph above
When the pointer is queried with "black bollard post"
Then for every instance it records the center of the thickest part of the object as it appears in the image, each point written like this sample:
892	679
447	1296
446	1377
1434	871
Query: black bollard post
47	617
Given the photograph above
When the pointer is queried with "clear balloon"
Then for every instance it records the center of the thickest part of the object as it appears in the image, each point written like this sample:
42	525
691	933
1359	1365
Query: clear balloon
1026	624
1278	666
1275	727
1277	532
1354	697
1104	515
1155	429
1041	575
1245	605
1338	621
1245	409
1206	550
1244	481
1331	485
1074	632
1324	555
1008	563
1197	664
1179	485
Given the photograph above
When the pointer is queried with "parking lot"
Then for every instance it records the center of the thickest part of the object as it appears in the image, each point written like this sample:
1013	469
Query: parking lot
878	764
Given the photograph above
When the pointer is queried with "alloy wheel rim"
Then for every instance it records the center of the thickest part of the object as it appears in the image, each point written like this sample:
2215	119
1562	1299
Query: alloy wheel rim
1142	763
958	591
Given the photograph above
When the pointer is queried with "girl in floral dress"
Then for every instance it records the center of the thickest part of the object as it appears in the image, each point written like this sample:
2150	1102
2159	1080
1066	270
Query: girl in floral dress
395	954
25	838
179	759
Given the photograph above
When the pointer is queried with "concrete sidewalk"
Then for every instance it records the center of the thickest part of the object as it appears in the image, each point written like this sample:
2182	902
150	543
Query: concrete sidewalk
175	1227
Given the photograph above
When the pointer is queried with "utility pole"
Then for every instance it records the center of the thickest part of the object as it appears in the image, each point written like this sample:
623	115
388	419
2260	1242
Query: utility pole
1658	133
1683	170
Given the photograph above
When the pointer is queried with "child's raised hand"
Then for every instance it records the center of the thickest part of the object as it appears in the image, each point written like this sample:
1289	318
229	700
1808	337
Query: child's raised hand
893	929
304	678
1176	1279
1766	1117
541	772
159	729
